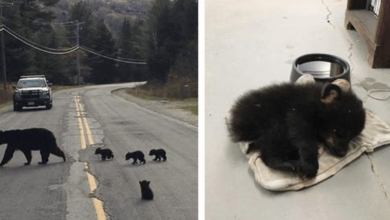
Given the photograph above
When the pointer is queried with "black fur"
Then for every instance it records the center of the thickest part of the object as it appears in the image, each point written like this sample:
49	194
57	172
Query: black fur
27	140
106	153
158	153
136	155
286	123
146	191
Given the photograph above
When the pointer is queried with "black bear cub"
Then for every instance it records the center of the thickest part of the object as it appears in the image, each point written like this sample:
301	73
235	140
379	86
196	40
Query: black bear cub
27	140
136	155
106	153
286	123
146	191
158	153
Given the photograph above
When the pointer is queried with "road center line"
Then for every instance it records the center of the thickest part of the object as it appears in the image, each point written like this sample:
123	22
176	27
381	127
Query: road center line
85	134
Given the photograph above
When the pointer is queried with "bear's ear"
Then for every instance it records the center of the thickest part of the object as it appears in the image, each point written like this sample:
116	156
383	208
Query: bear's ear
330	94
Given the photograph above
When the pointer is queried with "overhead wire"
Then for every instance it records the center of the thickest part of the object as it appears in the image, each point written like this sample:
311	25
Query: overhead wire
39	47
64	51
112	58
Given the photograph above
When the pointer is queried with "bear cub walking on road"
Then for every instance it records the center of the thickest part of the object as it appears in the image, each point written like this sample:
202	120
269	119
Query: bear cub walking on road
106	153
136	155
287	122
27	140
158	153
146	191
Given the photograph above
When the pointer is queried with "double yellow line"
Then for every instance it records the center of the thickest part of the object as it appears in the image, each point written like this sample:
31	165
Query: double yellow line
86	136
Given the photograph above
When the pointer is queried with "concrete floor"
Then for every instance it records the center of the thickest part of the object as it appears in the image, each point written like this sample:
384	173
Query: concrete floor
252	43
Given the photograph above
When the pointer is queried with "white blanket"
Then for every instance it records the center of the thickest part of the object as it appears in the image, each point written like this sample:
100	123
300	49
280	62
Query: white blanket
375	134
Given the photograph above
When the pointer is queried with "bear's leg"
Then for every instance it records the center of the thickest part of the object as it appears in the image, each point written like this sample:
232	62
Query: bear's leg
27	154
58	152
156	157
274	158
164	157
8	154
135	160
301	134
44	156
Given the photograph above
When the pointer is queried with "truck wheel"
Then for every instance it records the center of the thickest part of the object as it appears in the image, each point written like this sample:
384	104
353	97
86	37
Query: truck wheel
17	108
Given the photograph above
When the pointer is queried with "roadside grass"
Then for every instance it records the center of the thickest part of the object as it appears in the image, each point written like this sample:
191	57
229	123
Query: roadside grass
182	97
6	96
190	104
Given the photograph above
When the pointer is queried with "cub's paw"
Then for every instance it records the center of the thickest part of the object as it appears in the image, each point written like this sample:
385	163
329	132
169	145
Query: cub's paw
309	170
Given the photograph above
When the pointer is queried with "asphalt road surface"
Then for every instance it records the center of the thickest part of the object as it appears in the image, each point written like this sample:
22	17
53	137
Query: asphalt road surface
85	187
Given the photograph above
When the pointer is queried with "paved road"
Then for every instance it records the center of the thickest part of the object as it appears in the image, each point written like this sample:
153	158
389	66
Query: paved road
83	119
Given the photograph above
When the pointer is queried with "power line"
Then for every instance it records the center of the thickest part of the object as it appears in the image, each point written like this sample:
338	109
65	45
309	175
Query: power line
37	46
111	58
65	51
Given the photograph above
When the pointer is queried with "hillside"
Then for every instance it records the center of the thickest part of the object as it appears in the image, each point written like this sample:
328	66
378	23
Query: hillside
112	12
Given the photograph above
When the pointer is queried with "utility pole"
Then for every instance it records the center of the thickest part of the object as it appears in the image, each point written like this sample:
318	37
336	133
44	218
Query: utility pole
2	4
78	51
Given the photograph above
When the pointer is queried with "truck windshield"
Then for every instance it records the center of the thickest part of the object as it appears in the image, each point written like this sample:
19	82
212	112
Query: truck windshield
31	83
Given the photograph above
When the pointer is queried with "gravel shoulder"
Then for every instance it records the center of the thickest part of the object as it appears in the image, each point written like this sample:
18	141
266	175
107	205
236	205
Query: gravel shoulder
167	108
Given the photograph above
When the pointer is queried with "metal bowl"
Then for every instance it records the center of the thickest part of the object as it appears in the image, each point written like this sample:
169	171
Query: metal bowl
323	67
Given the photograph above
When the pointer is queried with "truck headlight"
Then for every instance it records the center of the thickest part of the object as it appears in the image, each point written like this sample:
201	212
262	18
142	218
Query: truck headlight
45	94
17	94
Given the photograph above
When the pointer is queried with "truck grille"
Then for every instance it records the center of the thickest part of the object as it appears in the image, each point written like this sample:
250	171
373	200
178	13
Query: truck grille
30	94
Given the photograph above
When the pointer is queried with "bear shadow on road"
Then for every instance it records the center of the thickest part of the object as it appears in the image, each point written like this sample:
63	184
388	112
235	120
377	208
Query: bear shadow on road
15	170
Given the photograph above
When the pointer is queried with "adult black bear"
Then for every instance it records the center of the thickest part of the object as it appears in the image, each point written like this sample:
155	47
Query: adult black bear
158	153
27	140
106	153
146	191
136	155
286	123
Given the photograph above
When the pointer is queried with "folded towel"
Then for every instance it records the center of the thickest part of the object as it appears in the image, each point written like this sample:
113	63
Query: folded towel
375	134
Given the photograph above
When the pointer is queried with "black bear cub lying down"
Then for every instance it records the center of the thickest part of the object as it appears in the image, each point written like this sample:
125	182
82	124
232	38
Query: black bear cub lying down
27	140
136	155
146	191
286	123
158	153
106	153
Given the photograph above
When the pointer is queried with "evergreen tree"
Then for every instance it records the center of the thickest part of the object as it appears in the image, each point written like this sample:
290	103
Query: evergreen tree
87	28
29	20
173	42
83	30
160	56
103	70
131	48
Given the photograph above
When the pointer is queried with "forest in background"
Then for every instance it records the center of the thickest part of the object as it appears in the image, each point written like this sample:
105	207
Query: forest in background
162	33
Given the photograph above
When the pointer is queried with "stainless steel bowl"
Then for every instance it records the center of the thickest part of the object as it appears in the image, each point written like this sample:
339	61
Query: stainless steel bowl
323	67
